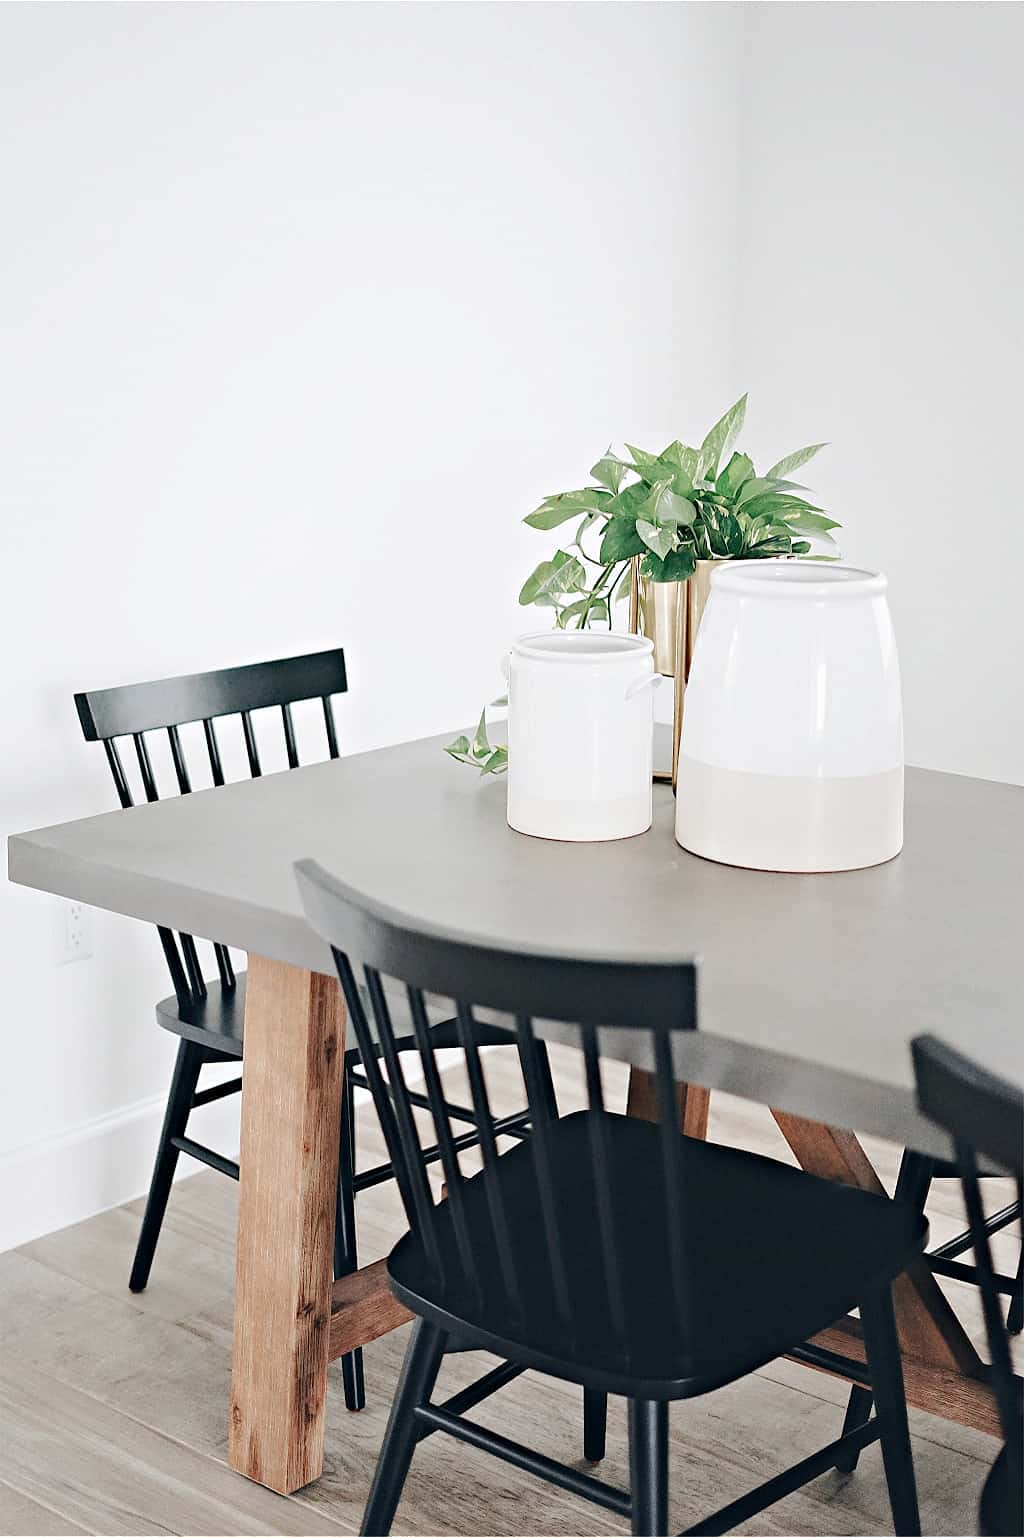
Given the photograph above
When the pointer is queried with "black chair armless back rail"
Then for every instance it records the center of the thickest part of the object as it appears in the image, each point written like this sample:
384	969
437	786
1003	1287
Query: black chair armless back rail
131	712
208	1016
605	1250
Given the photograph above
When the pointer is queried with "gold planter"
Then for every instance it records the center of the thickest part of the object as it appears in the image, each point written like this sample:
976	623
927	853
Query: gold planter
669	614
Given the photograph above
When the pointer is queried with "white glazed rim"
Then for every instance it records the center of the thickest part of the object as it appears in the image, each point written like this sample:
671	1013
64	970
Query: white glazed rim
784	578
582	646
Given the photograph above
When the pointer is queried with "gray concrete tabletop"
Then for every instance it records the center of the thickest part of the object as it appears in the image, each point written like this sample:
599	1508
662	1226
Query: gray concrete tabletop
811	986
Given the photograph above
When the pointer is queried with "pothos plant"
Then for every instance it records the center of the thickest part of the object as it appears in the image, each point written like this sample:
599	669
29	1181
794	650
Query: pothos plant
670	509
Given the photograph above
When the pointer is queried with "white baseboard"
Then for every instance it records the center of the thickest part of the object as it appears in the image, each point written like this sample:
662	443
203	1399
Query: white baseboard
52	1182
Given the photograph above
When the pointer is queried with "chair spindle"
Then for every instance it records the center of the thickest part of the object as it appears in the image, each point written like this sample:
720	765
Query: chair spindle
145	767
250	745
178	759
419	1186
604	1173
289	736
124	793
213	752
453	1175
537	1077
332	735
374	1077
466	1031
672	1163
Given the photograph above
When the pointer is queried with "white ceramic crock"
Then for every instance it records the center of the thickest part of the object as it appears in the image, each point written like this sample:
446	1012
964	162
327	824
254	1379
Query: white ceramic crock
580	725
792	742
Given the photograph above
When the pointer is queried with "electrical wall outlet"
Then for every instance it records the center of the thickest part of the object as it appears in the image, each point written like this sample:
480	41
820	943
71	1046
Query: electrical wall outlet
74	932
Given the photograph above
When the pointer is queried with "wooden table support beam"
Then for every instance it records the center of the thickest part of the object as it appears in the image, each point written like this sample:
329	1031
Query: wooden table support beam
363	1309
291	1114
947	1392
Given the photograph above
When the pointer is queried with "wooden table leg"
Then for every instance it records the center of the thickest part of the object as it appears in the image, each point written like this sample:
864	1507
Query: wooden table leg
692	1102
291	1107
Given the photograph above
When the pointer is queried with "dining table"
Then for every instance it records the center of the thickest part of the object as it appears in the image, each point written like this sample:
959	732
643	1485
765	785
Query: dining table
810	987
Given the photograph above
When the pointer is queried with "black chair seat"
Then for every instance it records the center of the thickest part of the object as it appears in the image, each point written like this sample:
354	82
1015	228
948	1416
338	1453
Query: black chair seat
217	1023
772	1256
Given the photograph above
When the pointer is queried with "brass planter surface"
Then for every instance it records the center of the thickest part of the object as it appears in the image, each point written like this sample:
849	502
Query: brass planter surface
659	620
669	614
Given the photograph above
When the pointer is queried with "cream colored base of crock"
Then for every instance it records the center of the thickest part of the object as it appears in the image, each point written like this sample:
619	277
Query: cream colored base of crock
788	823
576	821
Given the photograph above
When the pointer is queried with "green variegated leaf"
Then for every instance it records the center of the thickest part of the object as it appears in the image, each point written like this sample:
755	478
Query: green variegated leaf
620	540
555	510
459	748
793	462
778	544
593	608
664	506
736	473
721	438
629	500
563	573
757	485
657	538
648	465
551	516
497	762
732	534
804	521
685	461
587	521
725	532
481	745
777	504
676	567
623	589
609	470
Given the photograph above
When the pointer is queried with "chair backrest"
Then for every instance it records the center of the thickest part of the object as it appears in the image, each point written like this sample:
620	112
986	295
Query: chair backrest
983	1114
585	994
168	704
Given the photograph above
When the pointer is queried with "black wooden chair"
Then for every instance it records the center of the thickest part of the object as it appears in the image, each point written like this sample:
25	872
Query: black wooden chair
206	1015
916	1173
984	1116
605	1250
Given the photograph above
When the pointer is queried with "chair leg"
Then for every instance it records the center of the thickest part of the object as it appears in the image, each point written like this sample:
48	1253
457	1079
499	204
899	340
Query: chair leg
595	1424
345	1240
419	1373
648	1466
912	1185
858	1411
179	1102
882	1347
1015	1316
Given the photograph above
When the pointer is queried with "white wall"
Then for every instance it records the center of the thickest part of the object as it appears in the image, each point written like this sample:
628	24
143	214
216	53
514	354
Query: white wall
880	306
303	307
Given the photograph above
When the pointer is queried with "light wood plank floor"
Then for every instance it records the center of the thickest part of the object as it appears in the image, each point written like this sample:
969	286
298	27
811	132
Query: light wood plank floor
112	1407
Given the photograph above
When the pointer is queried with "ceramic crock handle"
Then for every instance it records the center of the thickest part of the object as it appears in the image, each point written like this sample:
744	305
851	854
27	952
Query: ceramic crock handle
653	680
505	666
